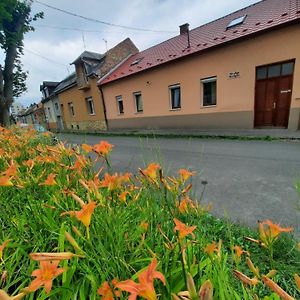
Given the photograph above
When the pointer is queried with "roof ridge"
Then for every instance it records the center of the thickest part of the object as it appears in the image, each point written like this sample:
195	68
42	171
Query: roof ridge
203	25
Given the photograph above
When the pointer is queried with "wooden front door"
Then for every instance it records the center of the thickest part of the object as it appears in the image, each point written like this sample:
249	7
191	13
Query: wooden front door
273	92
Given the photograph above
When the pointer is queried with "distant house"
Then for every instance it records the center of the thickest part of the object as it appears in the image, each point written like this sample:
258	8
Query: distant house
51	105
240	71
81	104
34	114
16	108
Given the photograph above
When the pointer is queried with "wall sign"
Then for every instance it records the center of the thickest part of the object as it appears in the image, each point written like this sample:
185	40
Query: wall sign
234	75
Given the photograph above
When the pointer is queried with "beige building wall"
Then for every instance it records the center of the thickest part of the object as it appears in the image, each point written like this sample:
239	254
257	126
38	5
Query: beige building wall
82	120
50	115
235	97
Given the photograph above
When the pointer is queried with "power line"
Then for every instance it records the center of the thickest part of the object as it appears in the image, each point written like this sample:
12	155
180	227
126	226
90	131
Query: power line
48	59
88	30
99	21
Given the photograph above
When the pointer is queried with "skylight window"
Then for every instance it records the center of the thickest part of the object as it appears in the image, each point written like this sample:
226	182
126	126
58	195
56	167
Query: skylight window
236	21
136	61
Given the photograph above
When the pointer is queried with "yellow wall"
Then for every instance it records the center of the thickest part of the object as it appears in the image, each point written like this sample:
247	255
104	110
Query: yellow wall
82	118
233	95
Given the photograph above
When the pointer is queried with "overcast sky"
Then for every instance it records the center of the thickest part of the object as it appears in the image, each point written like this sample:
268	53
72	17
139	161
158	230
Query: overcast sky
51	48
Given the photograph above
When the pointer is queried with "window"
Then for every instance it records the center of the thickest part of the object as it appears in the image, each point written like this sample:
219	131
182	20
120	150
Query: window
49	113
236	21
209	91
275	70
56	106
90	105
71	109
138	101
136	61
120	104
175	97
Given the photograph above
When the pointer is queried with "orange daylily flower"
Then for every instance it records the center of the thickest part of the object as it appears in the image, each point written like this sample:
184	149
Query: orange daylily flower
45	275
239	251
214	247
103	148
144	225
269	232
87	148
151	170
185	174
276	288
185	204
145	287
79	164
123	195
4	244
211	248
5	181
107	292
50	180
12	170
112	182
245	279
84	215
29	163
183	229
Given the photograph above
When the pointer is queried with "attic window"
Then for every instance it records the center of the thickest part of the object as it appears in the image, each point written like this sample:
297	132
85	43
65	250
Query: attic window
236	21
136	61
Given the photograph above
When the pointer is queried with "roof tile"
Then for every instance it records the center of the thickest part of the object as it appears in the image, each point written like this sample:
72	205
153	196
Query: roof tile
262	16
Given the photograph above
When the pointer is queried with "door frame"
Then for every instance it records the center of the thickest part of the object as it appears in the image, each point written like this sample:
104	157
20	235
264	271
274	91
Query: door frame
293	60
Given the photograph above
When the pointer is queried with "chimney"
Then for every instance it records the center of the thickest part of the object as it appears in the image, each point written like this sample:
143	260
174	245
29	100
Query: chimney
184	28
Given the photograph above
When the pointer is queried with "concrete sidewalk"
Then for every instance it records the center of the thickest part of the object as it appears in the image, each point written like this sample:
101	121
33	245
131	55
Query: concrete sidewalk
255	134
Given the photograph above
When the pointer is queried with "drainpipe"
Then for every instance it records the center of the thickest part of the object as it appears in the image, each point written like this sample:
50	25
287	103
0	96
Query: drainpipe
104	106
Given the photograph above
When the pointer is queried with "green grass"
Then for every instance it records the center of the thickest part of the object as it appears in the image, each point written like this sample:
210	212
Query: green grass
118	246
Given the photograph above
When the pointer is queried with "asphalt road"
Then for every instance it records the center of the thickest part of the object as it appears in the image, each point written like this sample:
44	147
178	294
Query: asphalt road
246	180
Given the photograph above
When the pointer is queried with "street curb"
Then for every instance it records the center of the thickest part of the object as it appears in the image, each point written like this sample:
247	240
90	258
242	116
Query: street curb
268	138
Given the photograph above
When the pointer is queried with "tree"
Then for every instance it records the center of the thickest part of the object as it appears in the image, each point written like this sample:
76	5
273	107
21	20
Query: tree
15	20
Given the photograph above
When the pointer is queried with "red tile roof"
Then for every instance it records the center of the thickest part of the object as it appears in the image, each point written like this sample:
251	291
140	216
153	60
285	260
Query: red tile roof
262	16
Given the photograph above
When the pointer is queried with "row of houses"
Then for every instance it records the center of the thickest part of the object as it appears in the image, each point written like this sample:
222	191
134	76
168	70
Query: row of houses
240	71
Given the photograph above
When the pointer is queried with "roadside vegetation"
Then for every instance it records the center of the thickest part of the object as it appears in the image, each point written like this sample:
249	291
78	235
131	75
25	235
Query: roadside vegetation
70	230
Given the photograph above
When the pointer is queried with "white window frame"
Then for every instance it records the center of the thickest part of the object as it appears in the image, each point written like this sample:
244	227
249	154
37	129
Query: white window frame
135	94
90	104
120	99
173	87
202	82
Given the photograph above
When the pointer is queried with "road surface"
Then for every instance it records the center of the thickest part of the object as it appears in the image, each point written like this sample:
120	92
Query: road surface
246	180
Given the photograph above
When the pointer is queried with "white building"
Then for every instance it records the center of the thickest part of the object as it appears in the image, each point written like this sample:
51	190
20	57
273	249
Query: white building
16	108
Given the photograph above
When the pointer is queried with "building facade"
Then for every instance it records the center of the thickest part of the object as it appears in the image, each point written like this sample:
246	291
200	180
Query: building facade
80	100
240	71
51	106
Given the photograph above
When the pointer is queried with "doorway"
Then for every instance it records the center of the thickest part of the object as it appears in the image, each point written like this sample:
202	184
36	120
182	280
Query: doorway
273	92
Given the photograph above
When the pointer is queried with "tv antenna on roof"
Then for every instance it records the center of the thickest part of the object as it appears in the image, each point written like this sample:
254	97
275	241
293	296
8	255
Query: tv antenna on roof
83	41
105	41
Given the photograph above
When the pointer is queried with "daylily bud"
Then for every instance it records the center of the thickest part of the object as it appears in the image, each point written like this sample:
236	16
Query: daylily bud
245	279
254	270
271	274
276	288
206	291
72	241
191	286
52	256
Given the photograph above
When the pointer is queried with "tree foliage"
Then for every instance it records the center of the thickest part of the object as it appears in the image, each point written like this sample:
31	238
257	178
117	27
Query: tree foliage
15	21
